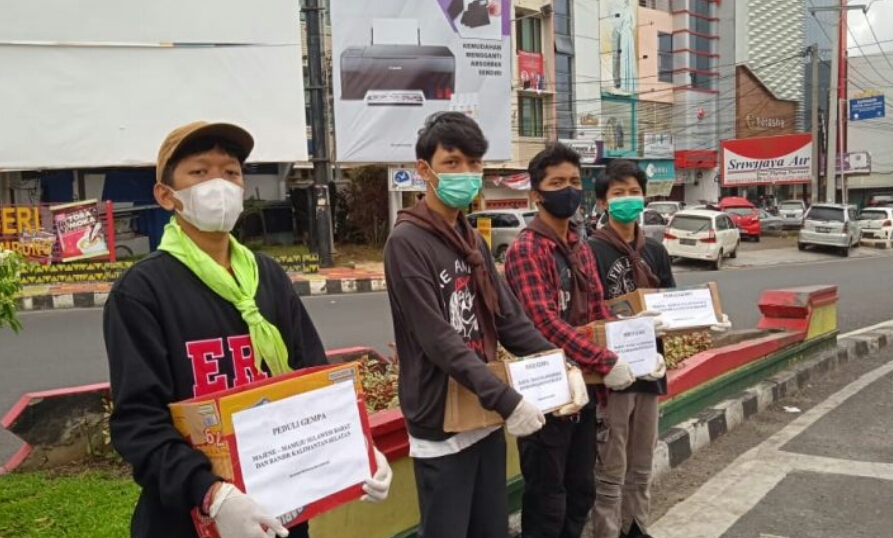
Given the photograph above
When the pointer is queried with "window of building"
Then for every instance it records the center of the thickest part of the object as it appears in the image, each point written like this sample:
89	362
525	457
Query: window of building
564	94
703	82
562	16
700	7
700	62
701	26
530	116
530	34
660	5
701	44
665	57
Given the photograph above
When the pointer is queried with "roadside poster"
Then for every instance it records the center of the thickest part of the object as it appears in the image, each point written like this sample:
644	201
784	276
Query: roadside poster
79	231
397	62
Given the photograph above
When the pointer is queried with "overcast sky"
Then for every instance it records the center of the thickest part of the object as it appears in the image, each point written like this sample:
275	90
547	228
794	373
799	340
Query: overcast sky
880	15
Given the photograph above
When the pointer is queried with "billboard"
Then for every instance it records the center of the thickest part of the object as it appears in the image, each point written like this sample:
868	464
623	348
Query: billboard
396	62
106	91
619	40
774	160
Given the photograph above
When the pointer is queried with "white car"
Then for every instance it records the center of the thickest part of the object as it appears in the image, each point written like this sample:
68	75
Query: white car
877	223
505	225
666	208
792	212
698	234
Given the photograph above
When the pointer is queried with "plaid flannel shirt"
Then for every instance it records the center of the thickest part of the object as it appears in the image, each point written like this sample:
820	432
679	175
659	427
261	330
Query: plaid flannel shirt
532	274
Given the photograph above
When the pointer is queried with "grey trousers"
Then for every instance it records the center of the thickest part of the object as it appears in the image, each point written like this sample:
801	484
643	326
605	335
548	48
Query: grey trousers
626	439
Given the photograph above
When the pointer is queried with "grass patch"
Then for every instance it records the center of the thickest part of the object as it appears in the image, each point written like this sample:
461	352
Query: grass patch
72	503
347	254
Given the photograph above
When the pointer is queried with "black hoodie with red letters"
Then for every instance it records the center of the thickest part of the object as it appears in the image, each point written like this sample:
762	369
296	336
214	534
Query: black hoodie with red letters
169	338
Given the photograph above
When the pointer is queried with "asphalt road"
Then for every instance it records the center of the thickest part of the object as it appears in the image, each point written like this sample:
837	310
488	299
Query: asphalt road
64	348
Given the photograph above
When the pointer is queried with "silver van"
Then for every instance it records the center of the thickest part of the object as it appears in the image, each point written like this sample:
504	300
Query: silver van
830	225
505	225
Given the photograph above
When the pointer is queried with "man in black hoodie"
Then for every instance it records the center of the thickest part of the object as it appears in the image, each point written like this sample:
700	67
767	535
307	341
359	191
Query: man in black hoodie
202	314
450	309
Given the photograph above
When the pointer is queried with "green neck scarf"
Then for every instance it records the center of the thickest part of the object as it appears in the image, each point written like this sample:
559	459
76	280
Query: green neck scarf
240	291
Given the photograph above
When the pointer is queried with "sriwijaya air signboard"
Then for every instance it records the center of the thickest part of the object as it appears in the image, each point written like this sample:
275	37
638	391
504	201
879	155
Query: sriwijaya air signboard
774	160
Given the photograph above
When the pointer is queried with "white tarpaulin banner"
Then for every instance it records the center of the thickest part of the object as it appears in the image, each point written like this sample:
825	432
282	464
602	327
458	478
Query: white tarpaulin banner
106	90
398	61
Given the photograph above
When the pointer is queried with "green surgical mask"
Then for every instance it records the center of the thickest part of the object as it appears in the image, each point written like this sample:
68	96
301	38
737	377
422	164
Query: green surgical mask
626	209
458	190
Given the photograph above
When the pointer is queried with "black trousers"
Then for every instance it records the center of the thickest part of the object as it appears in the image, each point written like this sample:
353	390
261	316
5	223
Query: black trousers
558	464
464	495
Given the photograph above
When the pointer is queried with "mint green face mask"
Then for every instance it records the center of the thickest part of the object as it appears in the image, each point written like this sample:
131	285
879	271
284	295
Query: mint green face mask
626	209
458	190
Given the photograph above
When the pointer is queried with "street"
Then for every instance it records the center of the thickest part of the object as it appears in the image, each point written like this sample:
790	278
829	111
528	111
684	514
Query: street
65	348
822	468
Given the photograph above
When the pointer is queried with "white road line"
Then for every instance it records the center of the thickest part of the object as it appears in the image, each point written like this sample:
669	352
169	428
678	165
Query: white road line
738	488
882	325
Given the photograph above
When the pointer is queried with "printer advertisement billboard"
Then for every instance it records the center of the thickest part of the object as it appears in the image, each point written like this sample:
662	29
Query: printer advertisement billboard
398	61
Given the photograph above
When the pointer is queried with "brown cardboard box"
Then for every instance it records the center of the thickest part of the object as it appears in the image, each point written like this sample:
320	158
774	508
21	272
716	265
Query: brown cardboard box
463	408
634	303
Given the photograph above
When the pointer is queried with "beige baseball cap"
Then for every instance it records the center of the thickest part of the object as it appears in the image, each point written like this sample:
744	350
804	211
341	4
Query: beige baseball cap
201	129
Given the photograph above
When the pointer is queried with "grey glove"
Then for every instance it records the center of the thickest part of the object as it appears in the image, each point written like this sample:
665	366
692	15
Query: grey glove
620	377
378	486
525	420
237	516
579	394
660	370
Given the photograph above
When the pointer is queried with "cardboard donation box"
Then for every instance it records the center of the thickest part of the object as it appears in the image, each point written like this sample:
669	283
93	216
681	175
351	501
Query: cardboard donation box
633	340
682	309
541	379
298	444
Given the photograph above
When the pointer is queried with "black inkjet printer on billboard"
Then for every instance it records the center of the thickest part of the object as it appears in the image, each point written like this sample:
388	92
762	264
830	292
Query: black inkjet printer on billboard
398	74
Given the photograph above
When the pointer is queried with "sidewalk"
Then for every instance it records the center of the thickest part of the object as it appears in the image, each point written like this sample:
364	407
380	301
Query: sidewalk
369	277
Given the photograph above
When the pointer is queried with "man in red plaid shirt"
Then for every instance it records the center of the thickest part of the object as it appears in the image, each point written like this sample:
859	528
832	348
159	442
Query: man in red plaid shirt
555	277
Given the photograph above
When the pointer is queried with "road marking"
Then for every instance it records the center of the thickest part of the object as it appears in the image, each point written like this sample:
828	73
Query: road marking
738	488
882	325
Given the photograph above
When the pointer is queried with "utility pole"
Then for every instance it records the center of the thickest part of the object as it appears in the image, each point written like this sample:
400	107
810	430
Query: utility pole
814	122
319	128
834	100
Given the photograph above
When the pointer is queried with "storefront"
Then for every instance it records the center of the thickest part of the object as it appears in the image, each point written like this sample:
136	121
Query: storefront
592	153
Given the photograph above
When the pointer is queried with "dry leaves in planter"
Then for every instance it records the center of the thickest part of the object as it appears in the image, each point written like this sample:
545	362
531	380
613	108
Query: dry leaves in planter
379	379
678	347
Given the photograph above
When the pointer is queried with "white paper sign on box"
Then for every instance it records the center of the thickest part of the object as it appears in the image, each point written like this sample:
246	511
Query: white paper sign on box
301	449
542	380
683	309
634	341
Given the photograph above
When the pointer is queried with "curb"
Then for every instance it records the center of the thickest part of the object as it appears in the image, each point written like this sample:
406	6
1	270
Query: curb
680	442
304	288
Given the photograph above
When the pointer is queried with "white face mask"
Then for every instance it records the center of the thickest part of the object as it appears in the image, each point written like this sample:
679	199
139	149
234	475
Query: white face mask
212	206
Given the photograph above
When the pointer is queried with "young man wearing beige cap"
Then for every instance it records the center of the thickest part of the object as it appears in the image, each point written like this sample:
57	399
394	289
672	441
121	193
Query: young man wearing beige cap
202	314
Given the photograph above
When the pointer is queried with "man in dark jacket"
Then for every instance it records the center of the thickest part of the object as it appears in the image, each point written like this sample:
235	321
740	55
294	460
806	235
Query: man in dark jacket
202	314
450	311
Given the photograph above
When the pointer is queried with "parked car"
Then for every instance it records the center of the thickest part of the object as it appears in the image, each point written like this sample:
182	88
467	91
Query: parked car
877	223
650	220
770	223
792	212
702	235
666	208
744	214
505	225
830	225
880	200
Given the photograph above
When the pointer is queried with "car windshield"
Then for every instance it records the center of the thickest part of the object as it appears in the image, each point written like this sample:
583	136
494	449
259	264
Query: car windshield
790	206
744	211
663	208
528	218
868	214
689	223
826	214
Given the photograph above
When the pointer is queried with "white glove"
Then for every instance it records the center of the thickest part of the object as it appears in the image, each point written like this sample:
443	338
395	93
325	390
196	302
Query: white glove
660	327
660	370
723	326
237	516
620	377
579	394
377	487
525	420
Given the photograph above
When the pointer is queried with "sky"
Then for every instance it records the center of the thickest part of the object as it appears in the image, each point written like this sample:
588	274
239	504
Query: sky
880	17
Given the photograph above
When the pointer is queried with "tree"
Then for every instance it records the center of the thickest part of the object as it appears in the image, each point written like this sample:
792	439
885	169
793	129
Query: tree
10	289
367	206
